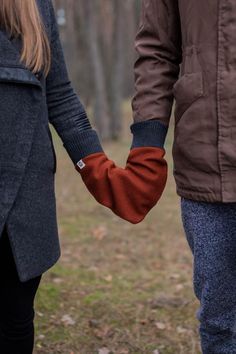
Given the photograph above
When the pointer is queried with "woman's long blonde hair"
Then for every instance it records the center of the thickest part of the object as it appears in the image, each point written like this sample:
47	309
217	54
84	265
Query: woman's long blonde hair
22	18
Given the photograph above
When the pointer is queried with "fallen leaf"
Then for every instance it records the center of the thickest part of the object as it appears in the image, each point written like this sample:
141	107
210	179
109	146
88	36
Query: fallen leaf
99	232
180	329
108	278
38	345
179	287
40	314
41	336
57	280
160	325
67	320
104	351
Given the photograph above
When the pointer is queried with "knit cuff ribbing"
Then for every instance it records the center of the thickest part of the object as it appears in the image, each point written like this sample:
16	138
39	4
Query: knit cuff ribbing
82	144
148	133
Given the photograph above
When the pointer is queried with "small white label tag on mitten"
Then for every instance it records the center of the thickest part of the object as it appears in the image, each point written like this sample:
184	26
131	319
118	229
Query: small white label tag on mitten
81	164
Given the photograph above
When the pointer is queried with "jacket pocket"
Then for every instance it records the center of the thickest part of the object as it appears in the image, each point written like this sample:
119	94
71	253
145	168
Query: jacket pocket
186	90
53	149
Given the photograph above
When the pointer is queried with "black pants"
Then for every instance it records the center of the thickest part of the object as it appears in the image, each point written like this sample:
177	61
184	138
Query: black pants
16	304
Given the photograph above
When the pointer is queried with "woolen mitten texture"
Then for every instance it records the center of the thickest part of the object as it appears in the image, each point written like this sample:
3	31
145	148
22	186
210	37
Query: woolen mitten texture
129	192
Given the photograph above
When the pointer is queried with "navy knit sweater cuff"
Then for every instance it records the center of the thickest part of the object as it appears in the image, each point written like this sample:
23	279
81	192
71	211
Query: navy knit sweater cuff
82	143
86	142
150	132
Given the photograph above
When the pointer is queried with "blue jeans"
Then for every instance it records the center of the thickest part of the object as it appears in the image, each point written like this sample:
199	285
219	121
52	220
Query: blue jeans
210	229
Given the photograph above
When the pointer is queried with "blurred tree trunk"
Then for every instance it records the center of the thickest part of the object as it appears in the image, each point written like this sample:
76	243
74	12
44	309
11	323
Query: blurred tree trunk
71	34
100	102
117	65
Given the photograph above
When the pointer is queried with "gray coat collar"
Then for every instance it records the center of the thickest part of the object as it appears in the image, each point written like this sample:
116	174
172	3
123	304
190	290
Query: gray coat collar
11	67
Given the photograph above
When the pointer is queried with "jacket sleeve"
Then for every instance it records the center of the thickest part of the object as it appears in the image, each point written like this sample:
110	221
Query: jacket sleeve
158	47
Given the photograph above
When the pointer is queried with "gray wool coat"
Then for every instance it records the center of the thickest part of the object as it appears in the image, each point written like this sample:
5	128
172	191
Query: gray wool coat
29	102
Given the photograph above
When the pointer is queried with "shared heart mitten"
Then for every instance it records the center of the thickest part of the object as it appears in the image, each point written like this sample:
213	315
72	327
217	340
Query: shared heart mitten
130	192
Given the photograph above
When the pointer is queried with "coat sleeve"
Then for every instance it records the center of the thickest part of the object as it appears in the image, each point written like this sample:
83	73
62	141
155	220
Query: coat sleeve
65	110
158	47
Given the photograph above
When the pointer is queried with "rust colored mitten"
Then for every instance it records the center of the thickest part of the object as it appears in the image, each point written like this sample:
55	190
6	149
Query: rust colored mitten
132	191
129	192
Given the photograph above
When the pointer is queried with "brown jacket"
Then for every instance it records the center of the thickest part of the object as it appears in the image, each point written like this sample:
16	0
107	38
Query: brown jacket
187	52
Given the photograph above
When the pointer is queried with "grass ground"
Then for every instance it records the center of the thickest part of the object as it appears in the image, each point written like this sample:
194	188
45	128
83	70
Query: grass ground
118	288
